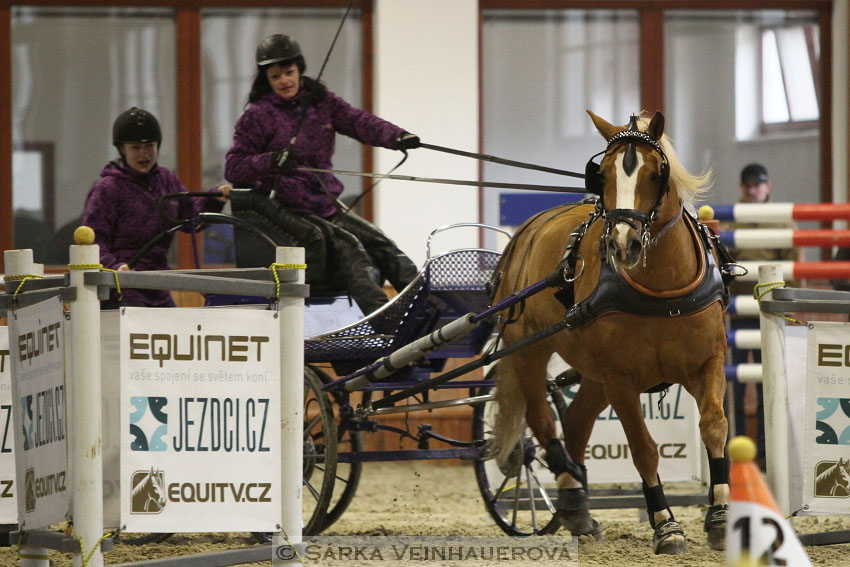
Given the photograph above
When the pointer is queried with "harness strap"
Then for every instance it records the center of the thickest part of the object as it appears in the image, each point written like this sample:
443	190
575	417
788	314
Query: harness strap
614	294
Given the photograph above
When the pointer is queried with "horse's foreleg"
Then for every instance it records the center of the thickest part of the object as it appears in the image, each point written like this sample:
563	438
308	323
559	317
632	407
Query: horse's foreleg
573	503
669	537
708	390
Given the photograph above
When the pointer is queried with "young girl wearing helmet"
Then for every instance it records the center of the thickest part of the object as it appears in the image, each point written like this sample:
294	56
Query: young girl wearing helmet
122	210
291	120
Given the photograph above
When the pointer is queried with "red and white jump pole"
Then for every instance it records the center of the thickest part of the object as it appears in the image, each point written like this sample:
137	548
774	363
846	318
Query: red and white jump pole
782	212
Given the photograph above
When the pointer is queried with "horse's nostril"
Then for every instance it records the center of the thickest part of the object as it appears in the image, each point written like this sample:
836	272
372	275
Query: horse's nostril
634	248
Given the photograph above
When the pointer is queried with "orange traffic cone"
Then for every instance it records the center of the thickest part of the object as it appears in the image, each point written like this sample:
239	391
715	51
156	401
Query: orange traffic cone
756	532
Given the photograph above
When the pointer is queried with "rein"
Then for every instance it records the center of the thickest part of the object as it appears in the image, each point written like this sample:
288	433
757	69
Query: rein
521	186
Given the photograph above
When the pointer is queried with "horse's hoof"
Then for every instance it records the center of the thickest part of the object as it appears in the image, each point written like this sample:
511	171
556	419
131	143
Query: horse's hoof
715	527
596	532
574	512
669	538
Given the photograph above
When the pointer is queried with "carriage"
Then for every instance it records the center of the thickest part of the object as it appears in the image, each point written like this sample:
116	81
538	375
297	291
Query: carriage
339	415
633	277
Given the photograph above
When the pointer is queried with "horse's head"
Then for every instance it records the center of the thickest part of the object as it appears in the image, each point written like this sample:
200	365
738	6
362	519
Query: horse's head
157	493
844	473
632	179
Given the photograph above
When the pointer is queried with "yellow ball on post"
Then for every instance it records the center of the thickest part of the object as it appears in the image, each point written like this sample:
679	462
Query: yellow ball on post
741	449
705	213
83	235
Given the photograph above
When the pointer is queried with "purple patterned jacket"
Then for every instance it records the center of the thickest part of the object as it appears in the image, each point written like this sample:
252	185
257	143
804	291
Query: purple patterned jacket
267	126
121	208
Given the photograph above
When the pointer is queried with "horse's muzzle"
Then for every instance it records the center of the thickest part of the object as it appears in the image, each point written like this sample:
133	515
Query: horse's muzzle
624	246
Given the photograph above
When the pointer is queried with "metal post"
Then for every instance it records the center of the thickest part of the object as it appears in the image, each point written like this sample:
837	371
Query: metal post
19	263
291	414
775	395
86	443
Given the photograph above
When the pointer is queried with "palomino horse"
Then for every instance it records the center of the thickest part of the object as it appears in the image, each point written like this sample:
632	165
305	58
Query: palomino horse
643	296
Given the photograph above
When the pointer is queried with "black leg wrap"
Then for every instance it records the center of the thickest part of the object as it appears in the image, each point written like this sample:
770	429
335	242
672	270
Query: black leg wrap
559	461
583	478
719	470
573	503
655	501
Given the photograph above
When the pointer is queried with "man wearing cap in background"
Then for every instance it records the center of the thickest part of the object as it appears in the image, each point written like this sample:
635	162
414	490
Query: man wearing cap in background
755	188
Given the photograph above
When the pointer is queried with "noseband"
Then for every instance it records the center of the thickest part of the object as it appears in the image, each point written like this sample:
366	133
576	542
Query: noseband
637	220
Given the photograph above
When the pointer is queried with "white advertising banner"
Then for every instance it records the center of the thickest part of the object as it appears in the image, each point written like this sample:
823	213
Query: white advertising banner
36	334
826	460
8	500
796	347
200	420
673	422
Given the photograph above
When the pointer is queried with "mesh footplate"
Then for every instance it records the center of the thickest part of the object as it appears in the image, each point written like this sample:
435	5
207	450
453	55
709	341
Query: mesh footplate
459	277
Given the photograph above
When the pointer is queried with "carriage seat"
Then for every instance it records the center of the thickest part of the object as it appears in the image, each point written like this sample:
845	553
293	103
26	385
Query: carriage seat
447	287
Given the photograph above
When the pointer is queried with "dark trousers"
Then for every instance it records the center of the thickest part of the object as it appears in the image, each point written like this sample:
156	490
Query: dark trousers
357	252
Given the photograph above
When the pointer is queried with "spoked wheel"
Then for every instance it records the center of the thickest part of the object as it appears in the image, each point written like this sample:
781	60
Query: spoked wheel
320	456
519	492
347	474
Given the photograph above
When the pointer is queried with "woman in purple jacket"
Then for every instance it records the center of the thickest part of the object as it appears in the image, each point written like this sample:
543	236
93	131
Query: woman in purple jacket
291	121
122	210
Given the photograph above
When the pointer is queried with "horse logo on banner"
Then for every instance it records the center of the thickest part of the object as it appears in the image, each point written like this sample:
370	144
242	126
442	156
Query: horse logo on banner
832	479
148	492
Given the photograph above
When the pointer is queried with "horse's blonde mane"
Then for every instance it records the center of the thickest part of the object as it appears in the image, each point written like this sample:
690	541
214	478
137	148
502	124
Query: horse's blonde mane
691	187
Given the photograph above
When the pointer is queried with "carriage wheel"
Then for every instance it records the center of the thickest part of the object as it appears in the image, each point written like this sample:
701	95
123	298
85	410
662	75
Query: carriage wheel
347	474
520	493
320	456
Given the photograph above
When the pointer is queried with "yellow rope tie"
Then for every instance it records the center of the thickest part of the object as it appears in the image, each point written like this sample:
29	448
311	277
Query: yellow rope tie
102	269
275	267
88	556
23	279
770	286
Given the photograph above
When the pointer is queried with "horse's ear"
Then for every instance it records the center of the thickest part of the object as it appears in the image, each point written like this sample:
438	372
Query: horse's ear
607	130
656	126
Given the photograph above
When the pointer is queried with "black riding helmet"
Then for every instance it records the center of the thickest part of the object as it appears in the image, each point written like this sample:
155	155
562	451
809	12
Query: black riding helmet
135	126
279	48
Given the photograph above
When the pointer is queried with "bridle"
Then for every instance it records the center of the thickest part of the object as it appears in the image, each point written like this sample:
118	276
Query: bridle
639	221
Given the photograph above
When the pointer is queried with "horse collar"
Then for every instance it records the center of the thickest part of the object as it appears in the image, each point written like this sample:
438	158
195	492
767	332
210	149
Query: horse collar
616	293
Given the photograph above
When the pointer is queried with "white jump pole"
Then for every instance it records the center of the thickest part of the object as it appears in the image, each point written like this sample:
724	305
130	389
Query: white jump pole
775	395
86	442
20	263
291	414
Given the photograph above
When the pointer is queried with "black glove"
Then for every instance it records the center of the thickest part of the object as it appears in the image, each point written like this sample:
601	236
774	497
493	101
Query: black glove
407	141
285	159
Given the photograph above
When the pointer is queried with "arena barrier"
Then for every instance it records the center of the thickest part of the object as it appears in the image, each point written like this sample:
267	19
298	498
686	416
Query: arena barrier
781	212
26	287
807	433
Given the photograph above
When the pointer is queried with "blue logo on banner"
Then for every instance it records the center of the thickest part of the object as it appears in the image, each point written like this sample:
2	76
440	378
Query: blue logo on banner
834	425
148	423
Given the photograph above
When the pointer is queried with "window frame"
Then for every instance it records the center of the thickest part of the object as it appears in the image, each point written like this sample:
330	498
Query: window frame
790	125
